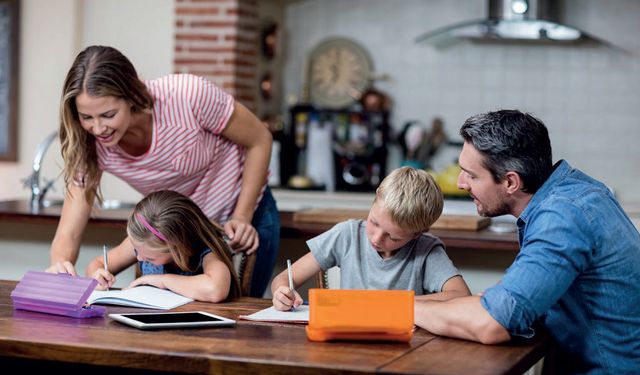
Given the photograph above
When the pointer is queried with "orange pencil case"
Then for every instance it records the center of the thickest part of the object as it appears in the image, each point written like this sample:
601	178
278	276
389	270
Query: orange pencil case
347	314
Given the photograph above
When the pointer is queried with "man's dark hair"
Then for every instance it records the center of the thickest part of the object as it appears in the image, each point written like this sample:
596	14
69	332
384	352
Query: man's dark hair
511	140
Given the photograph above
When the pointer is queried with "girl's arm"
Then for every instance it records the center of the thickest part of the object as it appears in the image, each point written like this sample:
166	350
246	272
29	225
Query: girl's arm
302	270
246	130
73	221
452	288
119	258
211	286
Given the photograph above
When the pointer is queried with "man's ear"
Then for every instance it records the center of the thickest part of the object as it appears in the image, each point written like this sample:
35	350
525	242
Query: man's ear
513	182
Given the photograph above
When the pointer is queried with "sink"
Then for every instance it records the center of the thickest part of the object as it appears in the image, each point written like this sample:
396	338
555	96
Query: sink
107	204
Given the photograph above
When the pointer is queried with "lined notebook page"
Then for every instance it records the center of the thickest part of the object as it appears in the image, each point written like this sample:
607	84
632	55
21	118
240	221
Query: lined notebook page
143	296
301	315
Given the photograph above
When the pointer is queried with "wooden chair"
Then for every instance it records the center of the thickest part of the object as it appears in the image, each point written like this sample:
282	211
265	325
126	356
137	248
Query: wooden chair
244	265
322	278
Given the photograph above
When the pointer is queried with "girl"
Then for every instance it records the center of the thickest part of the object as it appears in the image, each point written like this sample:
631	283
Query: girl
178	248
179	132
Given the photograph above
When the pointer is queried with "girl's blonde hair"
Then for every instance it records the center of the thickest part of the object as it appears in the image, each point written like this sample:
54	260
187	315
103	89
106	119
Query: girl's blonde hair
412	198
97	71
185	227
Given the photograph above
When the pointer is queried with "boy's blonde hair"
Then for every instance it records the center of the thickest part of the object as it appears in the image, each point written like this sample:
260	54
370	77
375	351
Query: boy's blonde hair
411	197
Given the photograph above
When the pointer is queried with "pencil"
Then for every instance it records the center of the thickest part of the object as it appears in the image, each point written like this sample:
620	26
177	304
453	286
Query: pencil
104	258
290	281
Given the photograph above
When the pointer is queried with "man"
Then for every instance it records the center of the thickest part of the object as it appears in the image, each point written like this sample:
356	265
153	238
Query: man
578	269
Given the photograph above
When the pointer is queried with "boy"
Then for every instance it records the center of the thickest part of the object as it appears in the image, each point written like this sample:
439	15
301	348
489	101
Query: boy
387	251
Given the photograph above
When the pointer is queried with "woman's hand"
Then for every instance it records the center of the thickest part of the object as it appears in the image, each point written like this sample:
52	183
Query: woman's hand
284	299
62	267
105	279
242	235
153	280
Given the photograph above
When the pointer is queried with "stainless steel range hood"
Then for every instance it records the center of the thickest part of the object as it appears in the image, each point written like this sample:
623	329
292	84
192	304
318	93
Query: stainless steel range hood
512	20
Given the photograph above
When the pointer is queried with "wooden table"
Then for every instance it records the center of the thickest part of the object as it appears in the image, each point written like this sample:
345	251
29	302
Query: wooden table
56	344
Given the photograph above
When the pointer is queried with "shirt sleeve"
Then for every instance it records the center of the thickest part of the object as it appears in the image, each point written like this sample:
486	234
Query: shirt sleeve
438	269
212	106
329	247
555	249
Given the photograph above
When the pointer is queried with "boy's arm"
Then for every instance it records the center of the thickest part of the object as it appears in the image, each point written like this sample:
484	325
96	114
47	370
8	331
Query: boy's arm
302	270
452	288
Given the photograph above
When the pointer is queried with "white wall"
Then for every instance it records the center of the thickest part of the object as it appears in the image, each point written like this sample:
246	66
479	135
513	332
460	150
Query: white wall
51	35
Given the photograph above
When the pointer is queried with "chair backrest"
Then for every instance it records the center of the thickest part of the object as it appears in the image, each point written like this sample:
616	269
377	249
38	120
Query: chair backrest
323	278
244	265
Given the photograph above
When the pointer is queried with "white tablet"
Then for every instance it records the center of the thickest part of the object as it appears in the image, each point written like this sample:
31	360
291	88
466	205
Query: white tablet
182	319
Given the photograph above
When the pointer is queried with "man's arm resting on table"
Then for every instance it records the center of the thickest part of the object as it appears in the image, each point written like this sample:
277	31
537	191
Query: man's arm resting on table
462	317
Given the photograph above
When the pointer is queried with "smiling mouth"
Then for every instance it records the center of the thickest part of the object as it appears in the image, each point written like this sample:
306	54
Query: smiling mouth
105	137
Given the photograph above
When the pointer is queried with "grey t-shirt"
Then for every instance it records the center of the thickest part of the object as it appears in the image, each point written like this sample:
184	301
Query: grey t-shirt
421	265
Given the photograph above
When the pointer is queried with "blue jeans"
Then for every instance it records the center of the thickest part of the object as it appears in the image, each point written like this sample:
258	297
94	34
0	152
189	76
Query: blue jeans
266	220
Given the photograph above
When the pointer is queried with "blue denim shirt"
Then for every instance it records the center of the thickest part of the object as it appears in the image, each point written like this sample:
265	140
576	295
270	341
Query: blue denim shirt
577	273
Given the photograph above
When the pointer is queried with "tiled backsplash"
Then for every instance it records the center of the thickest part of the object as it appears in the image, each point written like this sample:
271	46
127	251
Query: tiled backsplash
586	94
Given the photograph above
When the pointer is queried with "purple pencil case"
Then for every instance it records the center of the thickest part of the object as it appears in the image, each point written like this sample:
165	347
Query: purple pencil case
56	293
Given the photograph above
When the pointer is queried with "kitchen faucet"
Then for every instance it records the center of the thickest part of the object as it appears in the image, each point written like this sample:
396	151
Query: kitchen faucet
33	181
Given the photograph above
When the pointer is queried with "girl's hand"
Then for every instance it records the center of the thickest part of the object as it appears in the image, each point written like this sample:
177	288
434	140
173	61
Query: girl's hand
105	279
242	235
284	299
153	280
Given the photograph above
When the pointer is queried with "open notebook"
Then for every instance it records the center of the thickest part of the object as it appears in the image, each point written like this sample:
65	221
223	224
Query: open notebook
143	296
270	314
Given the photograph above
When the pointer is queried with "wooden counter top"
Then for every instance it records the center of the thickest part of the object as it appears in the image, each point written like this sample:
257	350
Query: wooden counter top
20	211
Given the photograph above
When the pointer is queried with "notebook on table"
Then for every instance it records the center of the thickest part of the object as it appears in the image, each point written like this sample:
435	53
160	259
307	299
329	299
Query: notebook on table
144	296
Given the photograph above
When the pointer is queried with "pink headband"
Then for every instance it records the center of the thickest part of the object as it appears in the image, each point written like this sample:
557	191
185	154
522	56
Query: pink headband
151	229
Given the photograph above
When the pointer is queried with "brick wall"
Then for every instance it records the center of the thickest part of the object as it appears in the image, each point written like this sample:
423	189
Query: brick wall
219	39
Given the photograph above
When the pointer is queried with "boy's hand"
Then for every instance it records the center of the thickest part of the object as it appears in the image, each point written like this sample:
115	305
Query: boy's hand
105	279
284	299
62	267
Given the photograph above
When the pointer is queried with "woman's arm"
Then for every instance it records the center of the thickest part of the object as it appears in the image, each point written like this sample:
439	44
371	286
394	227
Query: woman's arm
452	288
119	258
302	270
73	221
211	286
245	129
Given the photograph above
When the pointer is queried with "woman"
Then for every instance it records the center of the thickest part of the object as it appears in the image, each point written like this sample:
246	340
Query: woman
178	132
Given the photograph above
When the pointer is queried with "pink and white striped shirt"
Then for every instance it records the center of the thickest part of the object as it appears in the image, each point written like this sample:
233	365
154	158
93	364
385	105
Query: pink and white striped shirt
187	152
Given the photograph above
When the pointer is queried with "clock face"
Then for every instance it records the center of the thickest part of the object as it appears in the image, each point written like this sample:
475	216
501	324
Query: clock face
339	71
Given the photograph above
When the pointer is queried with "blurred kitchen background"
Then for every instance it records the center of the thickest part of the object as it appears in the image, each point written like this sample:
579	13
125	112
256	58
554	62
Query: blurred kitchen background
420	89
586	92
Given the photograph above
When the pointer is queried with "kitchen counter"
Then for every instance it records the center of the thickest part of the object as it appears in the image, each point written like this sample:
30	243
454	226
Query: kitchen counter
21	211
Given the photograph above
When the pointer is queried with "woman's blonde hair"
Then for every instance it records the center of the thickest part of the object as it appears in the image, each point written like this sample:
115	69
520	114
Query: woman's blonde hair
97	71
412	198
185	227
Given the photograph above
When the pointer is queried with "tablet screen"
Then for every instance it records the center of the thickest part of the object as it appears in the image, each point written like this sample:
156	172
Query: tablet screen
172	319
188	317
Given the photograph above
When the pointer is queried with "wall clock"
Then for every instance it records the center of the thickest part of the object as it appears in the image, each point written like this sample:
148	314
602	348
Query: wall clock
339	70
